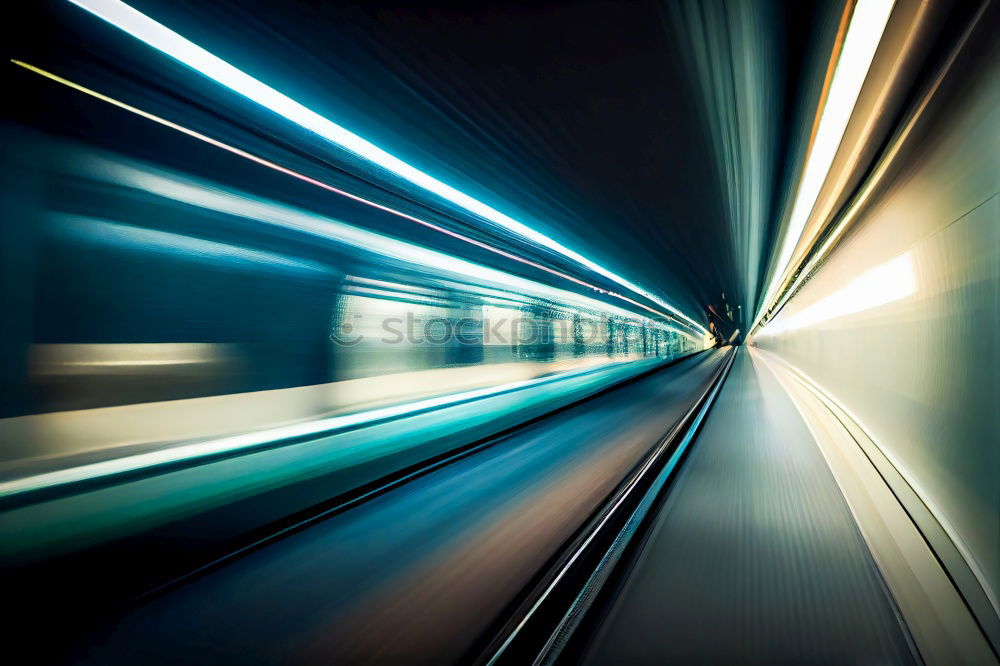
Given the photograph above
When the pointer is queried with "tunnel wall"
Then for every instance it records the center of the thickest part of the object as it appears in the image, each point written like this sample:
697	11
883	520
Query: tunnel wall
900	323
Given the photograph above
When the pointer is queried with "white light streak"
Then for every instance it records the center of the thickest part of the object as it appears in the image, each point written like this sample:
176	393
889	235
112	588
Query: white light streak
250	441
188	53
864	33
888	282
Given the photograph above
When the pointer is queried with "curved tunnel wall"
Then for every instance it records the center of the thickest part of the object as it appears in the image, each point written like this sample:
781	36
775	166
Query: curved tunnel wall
900	323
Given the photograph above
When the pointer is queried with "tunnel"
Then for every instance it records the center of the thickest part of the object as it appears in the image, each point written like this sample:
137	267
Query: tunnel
501	333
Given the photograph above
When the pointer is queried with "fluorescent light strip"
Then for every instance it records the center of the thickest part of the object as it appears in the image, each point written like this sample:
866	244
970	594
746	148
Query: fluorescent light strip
183	50
296	174
864	33
887	159
234	204
312	181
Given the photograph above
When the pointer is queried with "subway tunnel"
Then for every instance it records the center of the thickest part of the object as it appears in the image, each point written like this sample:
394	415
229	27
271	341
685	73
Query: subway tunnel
501	333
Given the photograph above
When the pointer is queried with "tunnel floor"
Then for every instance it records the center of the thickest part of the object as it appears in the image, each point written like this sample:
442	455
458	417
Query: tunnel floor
754	557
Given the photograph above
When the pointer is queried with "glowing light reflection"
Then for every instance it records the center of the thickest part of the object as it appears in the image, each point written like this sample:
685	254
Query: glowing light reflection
888	282
864	33
197	58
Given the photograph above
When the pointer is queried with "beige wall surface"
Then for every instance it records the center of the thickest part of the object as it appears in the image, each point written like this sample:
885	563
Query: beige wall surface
901	322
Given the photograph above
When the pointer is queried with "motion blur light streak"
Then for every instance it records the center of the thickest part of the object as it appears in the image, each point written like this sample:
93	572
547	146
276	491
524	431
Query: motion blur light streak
313	181
891	281
159	37
86	230
864	33
249	441
201	195
198	195
884	164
